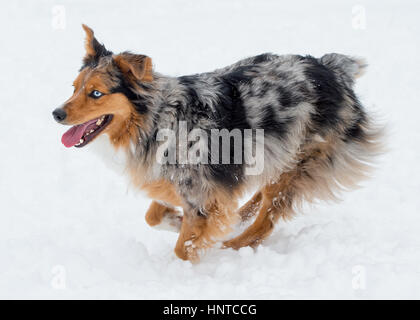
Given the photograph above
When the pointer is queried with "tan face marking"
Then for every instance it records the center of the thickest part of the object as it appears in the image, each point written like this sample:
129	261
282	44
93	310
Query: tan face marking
82	107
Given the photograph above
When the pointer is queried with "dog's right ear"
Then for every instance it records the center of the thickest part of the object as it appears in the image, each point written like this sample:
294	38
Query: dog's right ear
94	50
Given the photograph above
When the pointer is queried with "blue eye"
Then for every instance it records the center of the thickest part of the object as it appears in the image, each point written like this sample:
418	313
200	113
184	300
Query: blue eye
96	94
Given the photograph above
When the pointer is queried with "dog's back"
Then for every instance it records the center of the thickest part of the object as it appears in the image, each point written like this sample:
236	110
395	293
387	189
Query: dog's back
299	102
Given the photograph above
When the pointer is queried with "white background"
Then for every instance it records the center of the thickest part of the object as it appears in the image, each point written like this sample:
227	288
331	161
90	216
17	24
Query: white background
71	228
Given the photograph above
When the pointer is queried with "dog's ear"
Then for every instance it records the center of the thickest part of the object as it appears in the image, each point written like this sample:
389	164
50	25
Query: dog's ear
94	50
135	67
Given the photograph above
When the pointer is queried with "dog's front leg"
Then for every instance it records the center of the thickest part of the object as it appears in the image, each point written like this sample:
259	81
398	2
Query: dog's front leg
164	216
190	236
202	228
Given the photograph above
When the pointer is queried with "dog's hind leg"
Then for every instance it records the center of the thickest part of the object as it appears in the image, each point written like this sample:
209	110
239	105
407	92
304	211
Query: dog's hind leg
250	209
276	202
312	177
165	217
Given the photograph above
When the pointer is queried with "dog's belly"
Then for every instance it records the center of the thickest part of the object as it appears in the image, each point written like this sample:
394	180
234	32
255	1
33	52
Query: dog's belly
162	190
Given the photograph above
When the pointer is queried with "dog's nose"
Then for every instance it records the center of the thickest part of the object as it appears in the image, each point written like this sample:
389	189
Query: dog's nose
59	114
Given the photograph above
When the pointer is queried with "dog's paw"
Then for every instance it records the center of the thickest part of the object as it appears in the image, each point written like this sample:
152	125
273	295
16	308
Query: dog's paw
170	222
190	251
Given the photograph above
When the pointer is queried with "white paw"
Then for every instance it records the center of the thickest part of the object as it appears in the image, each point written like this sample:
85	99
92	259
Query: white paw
170	222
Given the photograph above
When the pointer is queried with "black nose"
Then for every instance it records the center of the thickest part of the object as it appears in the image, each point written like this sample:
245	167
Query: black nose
59	114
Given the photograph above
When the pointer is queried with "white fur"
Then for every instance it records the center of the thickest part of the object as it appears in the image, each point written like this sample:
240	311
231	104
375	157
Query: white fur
113	158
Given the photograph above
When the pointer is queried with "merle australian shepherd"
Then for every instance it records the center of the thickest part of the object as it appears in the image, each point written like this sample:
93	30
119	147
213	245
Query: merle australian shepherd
317	138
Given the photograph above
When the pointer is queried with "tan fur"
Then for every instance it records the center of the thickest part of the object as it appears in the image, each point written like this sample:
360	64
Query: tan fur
276	201
313	177
199	233
161	190
90	51
249	209
81	108
135	66
157	212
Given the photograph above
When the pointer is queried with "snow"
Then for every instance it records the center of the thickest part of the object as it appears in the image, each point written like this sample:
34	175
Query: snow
71	228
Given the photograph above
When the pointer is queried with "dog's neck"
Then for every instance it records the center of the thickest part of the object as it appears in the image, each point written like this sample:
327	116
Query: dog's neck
163	99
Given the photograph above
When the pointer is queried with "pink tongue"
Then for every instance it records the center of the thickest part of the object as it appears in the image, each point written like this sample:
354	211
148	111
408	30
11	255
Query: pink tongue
75	133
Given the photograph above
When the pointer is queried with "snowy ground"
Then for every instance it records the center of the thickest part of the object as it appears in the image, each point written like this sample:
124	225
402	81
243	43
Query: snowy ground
70	228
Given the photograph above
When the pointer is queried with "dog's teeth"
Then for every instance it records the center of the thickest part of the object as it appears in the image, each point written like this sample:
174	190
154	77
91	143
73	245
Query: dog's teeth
81	141
90	131
100	120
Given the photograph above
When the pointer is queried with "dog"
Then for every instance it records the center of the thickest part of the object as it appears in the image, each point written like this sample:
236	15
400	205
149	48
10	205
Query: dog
317	137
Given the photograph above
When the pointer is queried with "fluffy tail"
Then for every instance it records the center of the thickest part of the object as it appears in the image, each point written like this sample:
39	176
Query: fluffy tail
346	67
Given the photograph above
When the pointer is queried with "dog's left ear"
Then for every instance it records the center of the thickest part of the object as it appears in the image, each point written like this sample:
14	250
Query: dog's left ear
94	50
135	67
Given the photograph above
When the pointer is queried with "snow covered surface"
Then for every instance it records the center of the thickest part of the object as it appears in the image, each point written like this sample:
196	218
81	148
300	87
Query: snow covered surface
71	228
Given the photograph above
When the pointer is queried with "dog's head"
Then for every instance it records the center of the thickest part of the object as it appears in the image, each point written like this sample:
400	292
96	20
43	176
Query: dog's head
103	96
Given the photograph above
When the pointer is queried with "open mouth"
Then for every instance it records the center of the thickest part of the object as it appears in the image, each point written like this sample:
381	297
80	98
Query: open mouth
80	135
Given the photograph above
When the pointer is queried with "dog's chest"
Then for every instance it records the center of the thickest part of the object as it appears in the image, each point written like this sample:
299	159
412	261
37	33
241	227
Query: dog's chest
116	160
